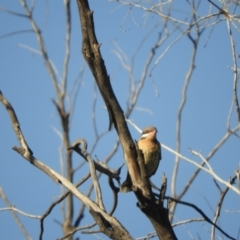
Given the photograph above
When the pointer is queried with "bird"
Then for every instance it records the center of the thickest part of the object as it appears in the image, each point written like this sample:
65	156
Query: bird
151	149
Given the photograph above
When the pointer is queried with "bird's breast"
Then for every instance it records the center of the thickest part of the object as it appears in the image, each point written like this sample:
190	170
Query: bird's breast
151	153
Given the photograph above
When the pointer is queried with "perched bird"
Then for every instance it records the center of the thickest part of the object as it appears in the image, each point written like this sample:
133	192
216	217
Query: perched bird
151	149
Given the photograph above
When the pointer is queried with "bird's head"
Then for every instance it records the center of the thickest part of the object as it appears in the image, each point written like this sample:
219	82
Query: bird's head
149	132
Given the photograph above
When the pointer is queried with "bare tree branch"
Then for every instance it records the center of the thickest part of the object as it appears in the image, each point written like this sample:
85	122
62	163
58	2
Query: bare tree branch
235	71
202	213
99	215
92	55
101	167
219	206
49	210
183	101
13	211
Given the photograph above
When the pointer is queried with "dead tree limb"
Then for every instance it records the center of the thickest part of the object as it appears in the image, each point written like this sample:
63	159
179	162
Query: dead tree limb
156	213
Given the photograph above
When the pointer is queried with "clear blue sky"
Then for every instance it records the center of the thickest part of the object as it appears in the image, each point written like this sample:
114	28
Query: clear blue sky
26	84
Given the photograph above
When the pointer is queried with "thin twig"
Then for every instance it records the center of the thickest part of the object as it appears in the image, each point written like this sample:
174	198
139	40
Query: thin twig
182	103
15	216
49	210
202	168
235	70
219	206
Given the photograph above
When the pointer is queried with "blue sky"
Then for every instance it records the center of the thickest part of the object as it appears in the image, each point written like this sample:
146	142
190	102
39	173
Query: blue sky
26	84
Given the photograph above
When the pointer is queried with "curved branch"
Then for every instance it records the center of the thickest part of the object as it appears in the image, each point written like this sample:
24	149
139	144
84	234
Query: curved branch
200	212
98	165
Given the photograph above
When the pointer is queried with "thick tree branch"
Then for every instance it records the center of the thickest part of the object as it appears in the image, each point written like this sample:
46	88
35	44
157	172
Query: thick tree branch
91	52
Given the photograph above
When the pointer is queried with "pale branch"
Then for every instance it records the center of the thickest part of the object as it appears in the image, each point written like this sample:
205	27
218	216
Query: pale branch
200	166
188	221
67	47
167	49
81	210
59	87
29	14
205	160
135	89
152	10
61	162
94	120
202	158
87	157
201	213
75	230
115	191
13	211
15	33
94	114
134	125
230	114
74	91
101	167
148	236
235	70
171	18
183	101
15	125
233	211
219	206
209	156
64	118
13	12
160	41
116	228
96	185
107	159
49	210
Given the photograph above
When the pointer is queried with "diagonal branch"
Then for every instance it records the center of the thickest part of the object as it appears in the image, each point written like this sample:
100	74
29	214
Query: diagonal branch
116	228
91	52
92	55
219	206
49	210
15	216
41	44
202	213
99	166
